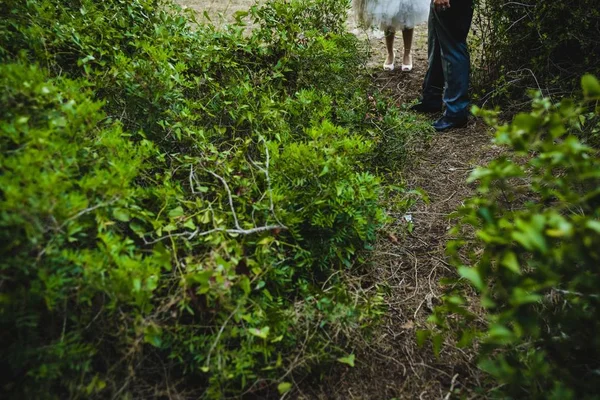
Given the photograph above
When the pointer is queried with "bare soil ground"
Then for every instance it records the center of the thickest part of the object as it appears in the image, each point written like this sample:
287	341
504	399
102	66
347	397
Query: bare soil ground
216	8
392	366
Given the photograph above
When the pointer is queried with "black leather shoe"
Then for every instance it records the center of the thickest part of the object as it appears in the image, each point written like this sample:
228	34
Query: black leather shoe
446	123
426	108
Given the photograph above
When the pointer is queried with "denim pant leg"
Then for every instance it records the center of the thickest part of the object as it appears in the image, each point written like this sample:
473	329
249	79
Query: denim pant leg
433	85
451	30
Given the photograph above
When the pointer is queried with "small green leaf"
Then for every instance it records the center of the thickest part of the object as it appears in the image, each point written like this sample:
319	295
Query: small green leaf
190	224
487	302
277	339
85	60
472	275
260	285
526	122
530	233
245	284
520	296
422	336
511	262
176	212
121	214
261	333
590	86
436	342
137	284
152	282
593	225
169	228
152	335
238	15
265	241
284	387
347	360
500	334
466	339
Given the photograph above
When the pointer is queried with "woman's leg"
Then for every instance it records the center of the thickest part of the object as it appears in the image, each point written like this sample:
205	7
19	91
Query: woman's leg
407	36
389	44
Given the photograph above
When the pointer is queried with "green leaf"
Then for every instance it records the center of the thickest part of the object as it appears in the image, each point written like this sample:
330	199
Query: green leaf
277	339
530	234
85	60
137	284
325	170
472	275
152	335
152	282
593	225
466	338
238	15
511	262
176	212
487	302
347	360
284	387
266	240
436	342
245	284
520	296
590	86
526	122
121	214
190	224
500	334
261	333
422	336
479	173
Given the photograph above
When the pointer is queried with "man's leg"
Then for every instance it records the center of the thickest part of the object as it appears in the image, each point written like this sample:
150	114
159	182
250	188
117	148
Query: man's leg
452	27
433	85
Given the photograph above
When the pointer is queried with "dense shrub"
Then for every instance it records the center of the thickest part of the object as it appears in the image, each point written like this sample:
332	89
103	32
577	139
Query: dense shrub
534	44
181	202
535	256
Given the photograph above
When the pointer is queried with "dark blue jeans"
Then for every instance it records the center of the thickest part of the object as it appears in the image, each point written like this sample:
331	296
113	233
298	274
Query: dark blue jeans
447	77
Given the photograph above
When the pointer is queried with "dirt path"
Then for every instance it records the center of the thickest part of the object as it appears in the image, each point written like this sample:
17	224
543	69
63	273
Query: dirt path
392	366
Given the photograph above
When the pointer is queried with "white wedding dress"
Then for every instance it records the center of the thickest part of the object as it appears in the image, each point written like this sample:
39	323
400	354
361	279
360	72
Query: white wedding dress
395	14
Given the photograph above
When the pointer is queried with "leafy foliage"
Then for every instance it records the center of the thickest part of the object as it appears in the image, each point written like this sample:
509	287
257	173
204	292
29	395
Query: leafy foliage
544	45
180	200
534	260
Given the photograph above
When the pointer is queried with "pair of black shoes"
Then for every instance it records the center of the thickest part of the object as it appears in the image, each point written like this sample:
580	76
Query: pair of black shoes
446	122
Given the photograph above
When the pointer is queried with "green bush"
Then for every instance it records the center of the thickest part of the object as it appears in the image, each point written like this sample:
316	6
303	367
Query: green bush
528	44
534	256
182	202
